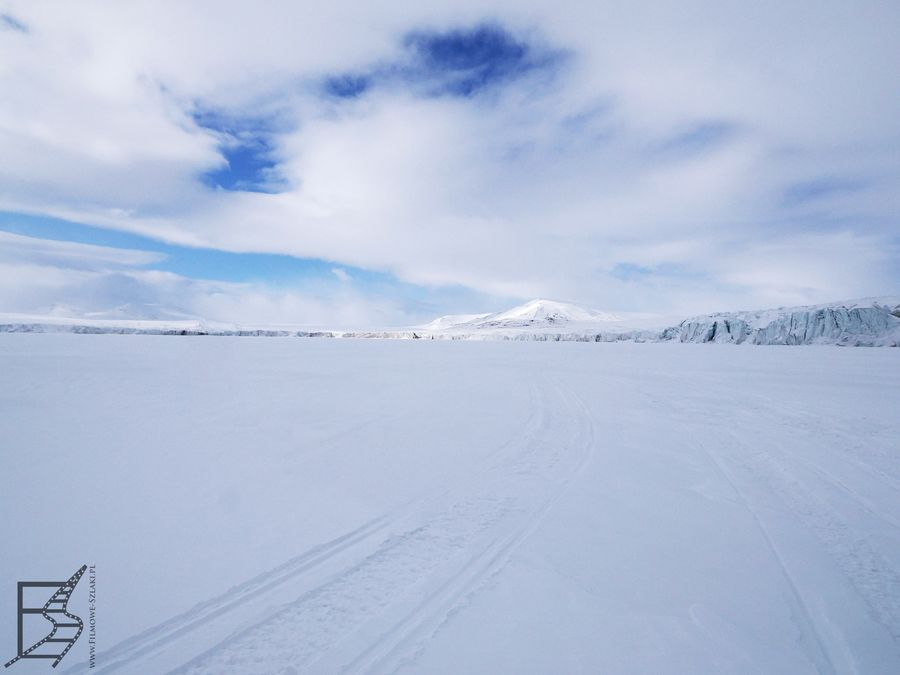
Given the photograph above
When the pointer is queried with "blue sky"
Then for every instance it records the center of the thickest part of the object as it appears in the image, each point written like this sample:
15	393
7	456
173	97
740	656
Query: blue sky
319	278
408	162
201	263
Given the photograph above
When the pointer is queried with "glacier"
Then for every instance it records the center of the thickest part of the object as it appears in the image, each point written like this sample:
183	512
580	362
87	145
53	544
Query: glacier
871	322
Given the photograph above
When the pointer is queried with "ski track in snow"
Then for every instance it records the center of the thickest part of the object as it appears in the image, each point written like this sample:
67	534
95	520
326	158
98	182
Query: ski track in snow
412	571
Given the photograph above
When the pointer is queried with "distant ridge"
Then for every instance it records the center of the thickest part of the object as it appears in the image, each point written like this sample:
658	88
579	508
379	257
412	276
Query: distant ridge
867	322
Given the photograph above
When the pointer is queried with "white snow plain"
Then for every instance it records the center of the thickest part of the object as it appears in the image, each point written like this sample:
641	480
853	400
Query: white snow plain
375	506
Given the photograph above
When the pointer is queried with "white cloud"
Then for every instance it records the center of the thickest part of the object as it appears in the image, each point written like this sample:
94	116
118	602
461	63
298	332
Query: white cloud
17	248
542	188
40	277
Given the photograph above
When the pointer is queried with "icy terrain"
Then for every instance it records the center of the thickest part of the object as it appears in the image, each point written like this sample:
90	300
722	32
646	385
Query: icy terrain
368	506
871	322
867	322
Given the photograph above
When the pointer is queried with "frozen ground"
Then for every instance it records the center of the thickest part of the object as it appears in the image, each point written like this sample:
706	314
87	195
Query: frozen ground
292	506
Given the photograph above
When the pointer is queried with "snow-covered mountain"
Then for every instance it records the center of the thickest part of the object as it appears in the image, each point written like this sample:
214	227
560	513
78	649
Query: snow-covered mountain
544	313
537	314
452	320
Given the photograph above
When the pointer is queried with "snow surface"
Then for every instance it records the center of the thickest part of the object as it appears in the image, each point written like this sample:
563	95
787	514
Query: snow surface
373	506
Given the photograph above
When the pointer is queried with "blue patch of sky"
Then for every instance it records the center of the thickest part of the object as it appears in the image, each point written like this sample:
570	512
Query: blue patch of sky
199	263
467	61
247	144
804	192
273	270
9	22
460	62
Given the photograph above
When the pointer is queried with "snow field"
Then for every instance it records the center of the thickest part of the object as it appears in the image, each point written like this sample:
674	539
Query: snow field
289	506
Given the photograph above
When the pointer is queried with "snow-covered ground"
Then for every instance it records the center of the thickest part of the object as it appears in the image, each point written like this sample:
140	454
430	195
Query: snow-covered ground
292	506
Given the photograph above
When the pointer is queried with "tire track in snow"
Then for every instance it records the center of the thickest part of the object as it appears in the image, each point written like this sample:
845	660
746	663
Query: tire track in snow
384	607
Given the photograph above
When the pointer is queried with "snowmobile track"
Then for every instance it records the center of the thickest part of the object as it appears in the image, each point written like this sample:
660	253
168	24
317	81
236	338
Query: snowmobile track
376	614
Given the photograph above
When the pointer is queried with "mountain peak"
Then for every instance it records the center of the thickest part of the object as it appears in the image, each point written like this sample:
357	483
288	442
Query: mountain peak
537	313
545	311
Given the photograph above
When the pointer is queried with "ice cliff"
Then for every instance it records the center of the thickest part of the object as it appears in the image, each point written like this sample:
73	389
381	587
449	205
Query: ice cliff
871	322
